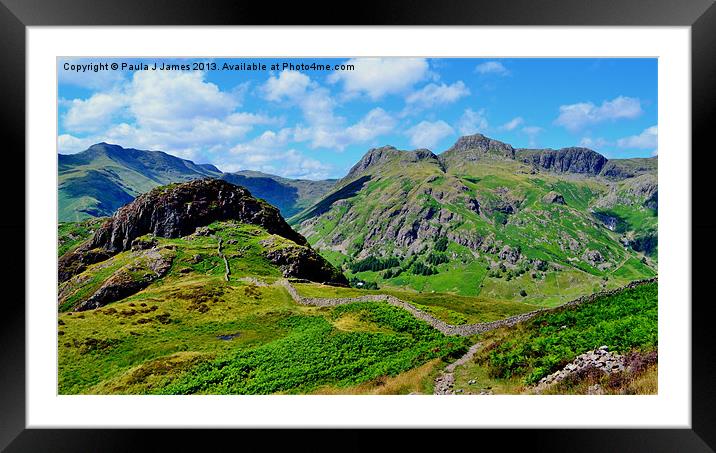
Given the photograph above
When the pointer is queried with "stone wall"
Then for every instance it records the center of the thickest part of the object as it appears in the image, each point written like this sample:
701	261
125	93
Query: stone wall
449	329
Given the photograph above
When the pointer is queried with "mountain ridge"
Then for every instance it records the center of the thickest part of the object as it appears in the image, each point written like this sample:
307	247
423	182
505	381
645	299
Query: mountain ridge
104	177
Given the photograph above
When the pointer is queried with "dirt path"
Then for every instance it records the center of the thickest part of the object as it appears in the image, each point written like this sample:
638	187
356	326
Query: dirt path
227	272
446	380
463	330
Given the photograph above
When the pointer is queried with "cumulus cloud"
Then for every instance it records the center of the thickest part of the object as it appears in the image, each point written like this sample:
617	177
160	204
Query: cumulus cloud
472	122
646	140
167	100
267	153
594	143
288	84
513	124
434	94
574	117
90	115
377	77
375	123
492	67
428	134
323	128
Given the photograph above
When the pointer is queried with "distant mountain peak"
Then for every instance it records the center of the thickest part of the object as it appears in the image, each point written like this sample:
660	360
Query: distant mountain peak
481	144
375	157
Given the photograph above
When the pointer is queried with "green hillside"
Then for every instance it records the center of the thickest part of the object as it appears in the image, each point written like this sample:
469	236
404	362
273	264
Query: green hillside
512	360
99	180
477	221
95	182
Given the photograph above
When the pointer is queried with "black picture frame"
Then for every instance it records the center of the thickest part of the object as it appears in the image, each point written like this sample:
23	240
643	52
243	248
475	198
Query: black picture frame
16	15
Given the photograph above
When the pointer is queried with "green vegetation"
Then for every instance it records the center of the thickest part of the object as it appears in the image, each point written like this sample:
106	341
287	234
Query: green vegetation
624	321
372	263
314	353
72	234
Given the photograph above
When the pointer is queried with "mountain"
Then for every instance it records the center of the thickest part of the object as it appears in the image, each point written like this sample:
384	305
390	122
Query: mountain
290	196
99	180
153	235
484	218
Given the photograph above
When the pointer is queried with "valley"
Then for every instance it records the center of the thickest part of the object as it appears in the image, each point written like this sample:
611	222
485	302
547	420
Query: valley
177	278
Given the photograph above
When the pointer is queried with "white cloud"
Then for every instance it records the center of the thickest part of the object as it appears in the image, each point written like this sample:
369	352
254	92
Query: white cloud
594	143
177	112
646	140
575	116
265	153
375	123
288	84
434	94
428	134
492	67
89	115
513	124
168	100
69	144
472	122
377	77
323	128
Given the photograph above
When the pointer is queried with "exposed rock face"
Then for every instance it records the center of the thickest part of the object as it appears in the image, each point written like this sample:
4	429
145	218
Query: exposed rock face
145	266
174	211
303	262
379	156
177	210
628	168
509	254
601	359
565	160
149	266
553	198
592	256
472	147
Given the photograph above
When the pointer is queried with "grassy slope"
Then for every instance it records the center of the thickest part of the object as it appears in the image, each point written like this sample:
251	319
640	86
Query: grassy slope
541	231
168	337
513	358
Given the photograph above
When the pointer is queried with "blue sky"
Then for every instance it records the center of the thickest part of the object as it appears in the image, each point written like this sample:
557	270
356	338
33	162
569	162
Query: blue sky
317	123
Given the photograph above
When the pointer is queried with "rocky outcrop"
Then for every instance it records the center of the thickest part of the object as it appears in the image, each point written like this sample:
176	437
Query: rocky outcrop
146	267
509	254
376	157
474	147
565	160
178	209
600	359
553	198
628	168
174	211
303	262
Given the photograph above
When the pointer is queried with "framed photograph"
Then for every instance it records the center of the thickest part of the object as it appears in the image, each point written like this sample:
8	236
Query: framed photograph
464	217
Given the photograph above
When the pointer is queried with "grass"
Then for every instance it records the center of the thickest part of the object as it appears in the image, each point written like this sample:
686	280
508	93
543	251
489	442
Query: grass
623	321
418	380
72	234
313	353
158	342
451	308
558	234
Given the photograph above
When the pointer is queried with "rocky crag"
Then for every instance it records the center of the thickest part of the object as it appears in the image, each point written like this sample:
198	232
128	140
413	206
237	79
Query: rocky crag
598	359
179	211
515	210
